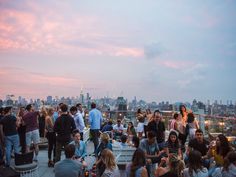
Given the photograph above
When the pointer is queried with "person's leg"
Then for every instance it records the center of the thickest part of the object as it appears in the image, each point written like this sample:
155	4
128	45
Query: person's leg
58	151
16	144
8	145
94	139
50	144
36	141
54	147
28	141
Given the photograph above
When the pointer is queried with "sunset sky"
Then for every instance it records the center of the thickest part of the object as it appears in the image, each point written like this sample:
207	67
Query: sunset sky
152	49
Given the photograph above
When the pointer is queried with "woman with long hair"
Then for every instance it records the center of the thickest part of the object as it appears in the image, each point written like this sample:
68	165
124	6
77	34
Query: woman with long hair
51	136
191	127
220	150
229	167
195	166
172	144
184	113
104	144
131	131
111	169
137	167
173	167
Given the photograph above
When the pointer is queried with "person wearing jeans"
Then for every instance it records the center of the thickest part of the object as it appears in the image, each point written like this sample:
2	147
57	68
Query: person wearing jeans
95	120
10	123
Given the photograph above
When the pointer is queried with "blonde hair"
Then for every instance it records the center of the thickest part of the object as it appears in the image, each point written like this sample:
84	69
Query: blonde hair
108	159
50	111
105	137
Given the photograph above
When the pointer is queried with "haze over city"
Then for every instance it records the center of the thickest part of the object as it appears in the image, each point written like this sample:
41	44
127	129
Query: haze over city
154	50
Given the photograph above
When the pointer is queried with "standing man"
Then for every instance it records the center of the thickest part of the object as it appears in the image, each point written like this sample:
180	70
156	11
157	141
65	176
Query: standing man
95	120
32	129
76	111
10	123
63	127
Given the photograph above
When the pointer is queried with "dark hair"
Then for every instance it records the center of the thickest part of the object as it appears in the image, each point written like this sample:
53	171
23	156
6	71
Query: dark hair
28	107
195	162
229	159
180	109
151	134
176	143
139	110
138	160
73	109
156	111
123	138
7	109
69	150
78	105
224	147
93	105
176	115
132	125
190	118
75	131
135	141
1	110
64	108
199	131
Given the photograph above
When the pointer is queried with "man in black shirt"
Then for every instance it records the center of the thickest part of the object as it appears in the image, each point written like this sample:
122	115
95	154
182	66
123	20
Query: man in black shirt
199	144
10	123
63	127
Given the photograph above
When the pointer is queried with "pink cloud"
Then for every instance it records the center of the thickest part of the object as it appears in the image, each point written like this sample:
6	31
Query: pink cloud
176	64
37	31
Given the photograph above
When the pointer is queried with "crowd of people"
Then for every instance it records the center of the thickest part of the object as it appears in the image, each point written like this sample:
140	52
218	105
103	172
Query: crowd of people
183	153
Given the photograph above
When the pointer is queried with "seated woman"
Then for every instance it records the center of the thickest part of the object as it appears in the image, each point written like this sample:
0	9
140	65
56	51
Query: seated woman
195	166
111	169
137	167
131	131
229	168
80	147
219	149
172	145
104	144
170	167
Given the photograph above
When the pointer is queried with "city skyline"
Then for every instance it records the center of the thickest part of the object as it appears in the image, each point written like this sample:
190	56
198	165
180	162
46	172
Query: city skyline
155	50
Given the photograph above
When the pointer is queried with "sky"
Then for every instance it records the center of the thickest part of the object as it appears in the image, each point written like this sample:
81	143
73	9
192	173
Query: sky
152	49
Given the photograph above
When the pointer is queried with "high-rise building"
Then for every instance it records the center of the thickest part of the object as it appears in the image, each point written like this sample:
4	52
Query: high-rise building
49	99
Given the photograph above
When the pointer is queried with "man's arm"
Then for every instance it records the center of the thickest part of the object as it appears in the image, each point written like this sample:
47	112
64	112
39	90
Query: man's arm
73	126
81	121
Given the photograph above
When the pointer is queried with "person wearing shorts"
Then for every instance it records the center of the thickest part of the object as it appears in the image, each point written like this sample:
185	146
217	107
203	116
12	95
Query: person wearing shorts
32	130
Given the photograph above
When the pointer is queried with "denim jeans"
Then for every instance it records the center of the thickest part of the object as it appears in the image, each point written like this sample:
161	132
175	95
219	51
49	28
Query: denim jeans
9	142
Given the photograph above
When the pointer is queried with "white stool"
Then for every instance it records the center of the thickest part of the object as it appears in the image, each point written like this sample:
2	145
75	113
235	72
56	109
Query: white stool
28	170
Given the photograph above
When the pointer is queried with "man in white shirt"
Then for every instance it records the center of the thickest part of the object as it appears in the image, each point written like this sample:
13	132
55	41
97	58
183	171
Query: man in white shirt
79	120
118	129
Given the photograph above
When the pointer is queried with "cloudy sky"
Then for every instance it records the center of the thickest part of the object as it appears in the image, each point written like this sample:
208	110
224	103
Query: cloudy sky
152	49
